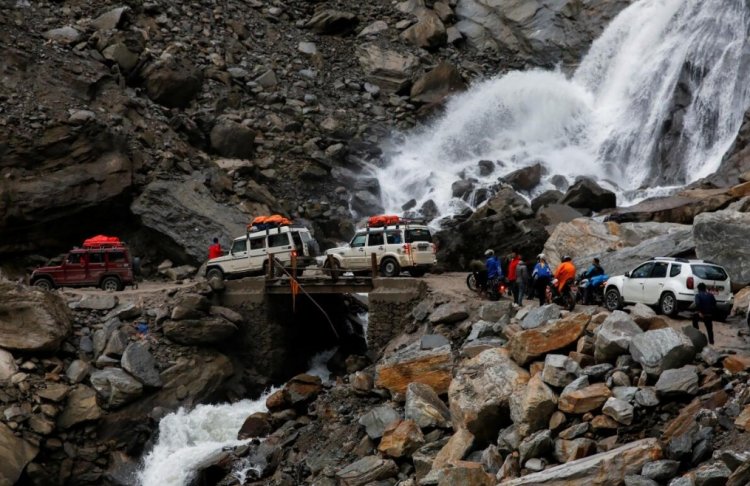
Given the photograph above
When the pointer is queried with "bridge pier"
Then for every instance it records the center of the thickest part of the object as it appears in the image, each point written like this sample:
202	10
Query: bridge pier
390	304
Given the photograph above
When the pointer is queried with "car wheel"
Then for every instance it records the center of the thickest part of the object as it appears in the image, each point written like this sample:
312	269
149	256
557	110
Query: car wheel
612	300
471	281
390	268
417	272
215	273
668	304
44	284
331	267
111	284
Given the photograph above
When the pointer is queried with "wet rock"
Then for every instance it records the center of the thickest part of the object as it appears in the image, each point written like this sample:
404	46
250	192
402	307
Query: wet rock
570	450
390	70
717	236
437	84
619	410
16	453
541	315
138	361
614	335
662	470
432	367
559	370
333	22
545	199
532	408
44	316
378	419
526	178
480	393
367	470
532	343
449	313
256	425
604	468
208	330
584	400
80	407
401	439
587	194
537	444
428	32
554	214
679	381
303	389
661	349
425	408
116	387
232	139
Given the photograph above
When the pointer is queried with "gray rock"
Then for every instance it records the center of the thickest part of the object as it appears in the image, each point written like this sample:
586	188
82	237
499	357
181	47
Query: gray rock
536	445
449	313
110	19
661	470
661	349
425	408
124	311
116	387
232	139
389	70
374	28
138	361
587	194
43	316
376	420
332	22
598	371
540	315
574	431
495	311
535	464
173	82
625	393
619	410
635	480
208	330
559	370
715	474
308	48
710	356
509	439
614	335
267	80
698	339
433	341
526	178
719	237
680	381
78	371
116	344
683	481
677	241
424	457
578	384
646	397
367	470
63	35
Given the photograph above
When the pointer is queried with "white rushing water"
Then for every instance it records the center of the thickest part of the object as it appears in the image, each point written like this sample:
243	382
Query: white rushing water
190	440
605	121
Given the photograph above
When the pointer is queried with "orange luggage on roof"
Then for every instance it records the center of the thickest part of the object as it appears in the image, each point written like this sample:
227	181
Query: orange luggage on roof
383	220
100	241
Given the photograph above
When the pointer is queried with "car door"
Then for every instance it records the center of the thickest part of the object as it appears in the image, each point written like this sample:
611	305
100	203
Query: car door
258	253
280	246
653	285
375	246
238	261
96	267
632	287
74	270
356	257
422	248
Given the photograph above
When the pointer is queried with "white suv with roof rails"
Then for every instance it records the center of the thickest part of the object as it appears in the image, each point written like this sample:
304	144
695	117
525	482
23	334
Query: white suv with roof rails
398	247
249	253
670	285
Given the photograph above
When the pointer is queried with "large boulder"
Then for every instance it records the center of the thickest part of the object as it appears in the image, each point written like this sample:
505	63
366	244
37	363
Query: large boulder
661	349
116	387
81	406
428	32
614	335
677	382
678	242
559	370
480	393
390	70
587	194
232	139
208	330
172	81
180	209
532	343
540	315
722	237
16	453
32	320
138	361
437	84
532	408
526	178
433	367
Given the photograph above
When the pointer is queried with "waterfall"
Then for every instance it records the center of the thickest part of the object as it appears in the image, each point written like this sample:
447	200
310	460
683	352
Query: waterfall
659	64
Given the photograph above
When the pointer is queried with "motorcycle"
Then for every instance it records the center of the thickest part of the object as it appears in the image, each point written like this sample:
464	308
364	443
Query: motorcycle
565	299
597	285
494	288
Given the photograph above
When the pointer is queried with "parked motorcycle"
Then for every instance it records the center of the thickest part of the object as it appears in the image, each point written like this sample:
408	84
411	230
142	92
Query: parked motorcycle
597	284
495	288
565	299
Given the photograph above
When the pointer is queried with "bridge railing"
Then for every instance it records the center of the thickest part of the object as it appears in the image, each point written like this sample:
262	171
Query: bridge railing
330	268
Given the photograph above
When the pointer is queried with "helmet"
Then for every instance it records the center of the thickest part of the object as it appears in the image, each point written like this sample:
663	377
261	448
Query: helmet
541	256
489	252
566	258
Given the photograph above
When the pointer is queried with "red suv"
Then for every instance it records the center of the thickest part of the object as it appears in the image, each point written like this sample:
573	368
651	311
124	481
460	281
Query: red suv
103	264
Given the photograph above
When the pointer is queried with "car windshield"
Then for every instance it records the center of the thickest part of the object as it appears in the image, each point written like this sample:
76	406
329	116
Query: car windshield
709	272
418	234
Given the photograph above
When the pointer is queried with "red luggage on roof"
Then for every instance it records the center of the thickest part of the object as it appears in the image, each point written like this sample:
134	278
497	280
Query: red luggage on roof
383	220
102	241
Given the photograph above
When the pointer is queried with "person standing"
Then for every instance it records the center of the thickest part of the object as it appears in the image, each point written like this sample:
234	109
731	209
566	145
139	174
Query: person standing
214	251
512	277
705	307
542	274
522	280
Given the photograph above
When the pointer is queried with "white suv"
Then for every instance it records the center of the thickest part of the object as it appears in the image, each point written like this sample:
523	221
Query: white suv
399	247
670	284
249	254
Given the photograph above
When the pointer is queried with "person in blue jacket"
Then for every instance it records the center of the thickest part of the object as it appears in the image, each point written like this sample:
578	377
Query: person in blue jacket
542	274
493	266
705	308
595	270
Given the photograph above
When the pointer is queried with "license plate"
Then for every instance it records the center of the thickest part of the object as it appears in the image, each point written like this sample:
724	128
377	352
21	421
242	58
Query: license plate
423	246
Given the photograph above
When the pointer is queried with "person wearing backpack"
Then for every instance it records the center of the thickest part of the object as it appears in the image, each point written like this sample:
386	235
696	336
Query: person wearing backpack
542	274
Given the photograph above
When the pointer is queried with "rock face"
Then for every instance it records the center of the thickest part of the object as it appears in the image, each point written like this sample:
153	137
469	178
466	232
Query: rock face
42	316
16	454
717	236
425	408
480	394
176	208
661	349
432	367
532	343
204	331
605	469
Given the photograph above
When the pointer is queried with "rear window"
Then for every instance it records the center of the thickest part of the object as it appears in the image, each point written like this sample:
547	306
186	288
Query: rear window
305	236
117	256
96	257
414	234
709	272
278	240
298	243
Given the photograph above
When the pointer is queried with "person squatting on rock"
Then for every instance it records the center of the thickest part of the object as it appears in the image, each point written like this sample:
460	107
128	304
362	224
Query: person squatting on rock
705	307
542	276
214	251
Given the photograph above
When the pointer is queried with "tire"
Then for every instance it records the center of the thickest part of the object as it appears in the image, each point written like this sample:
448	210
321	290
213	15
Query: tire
612	299
213	273
111	284
417	272
390	268
471	282
44	284
668	304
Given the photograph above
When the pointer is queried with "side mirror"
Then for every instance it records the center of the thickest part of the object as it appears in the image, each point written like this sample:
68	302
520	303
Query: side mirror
627	274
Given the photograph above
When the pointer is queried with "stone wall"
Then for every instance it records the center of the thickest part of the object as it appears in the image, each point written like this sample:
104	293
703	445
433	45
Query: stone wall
391	303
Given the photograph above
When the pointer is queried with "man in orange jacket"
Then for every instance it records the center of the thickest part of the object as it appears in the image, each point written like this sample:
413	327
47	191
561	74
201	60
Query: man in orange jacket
565	271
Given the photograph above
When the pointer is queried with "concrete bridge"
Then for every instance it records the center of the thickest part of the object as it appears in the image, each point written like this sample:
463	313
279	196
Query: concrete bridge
282	331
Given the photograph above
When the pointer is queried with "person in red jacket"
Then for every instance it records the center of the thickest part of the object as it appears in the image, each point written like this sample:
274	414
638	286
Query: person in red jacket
214	251
512	274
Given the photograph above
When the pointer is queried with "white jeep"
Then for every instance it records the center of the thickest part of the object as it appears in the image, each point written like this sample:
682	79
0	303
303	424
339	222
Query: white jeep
670	284
249	253
398	247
